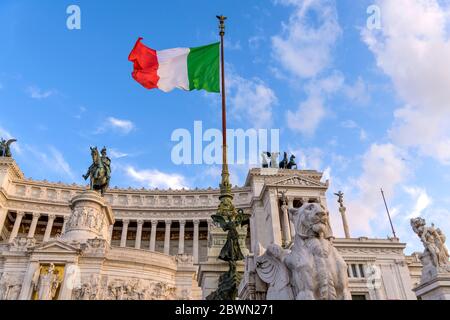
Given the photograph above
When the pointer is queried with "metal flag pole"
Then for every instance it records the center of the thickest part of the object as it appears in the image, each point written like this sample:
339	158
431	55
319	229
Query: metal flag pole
389	215
228	217
226	207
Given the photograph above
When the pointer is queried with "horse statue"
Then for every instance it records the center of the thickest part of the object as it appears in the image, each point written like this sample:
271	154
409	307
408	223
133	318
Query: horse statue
98	172
284	163
291	164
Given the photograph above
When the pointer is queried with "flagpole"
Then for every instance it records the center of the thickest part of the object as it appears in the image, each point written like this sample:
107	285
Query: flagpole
388	213
226	207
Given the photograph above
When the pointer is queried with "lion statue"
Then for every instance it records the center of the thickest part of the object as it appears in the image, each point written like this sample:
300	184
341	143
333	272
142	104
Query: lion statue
314	267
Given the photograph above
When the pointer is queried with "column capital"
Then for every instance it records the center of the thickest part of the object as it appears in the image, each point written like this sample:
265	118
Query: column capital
36	215
168	222
196	222
20	213
51	216
182	222
125	222
154	222
140	221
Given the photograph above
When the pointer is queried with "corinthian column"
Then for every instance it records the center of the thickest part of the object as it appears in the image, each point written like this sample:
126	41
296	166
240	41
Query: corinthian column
167	238
137	244
33	225
123	239
181	237
153	235
195	244
48	229
16	227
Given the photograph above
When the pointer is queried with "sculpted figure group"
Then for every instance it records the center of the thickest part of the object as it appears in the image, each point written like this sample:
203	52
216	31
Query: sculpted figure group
435	258
270	160
312	269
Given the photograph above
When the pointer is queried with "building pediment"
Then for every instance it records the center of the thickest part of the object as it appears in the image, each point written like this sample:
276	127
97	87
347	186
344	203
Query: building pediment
299	181
56	246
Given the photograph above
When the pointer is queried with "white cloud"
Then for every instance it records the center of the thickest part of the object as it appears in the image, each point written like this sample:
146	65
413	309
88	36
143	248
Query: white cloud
59	163
156	179
116	154
413	49
310	113
421	198
383	167
120	125
53	160
350	124
37	93
309	158
304	46
250	100
307	117
358	92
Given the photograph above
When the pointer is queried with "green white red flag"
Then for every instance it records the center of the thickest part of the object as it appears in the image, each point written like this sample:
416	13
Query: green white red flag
184	68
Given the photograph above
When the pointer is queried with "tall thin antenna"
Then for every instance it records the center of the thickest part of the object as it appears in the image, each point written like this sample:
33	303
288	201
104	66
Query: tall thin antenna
389	215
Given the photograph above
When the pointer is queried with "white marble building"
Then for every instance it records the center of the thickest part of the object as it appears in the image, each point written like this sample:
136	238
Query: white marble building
161	244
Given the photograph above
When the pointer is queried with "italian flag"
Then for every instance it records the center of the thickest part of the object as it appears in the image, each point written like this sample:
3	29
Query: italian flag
183	68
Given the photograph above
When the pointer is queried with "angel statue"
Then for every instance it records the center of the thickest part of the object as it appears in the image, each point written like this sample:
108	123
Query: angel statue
231	252
5	147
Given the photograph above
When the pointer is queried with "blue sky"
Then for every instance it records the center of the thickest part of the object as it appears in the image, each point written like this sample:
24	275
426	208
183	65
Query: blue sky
367	107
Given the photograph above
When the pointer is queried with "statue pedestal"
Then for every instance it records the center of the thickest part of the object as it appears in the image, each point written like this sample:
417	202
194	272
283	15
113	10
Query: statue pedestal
90	218
437	288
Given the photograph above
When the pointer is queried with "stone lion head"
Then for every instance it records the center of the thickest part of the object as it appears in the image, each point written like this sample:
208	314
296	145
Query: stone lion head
311	220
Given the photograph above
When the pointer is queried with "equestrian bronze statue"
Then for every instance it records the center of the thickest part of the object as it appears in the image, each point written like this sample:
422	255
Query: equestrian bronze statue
99	172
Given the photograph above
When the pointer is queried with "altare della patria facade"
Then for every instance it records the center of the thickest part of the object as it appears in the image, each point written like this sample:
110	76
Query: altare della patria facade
72	242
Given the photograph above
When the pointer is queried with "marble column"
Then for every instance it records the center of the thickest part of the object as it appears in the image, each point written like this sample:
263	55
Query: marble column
3	215
286	226
26	291
66	219
110	233
167	238
48	229
137	244
71	273
181	237
195	244
33	225
16	227
153	235
291	224
123	239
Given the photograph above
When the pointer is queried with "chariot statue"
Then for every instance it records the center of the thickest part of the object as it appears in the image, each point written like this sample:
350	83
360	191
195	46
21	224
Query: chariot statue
5	147
312	269
99	172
